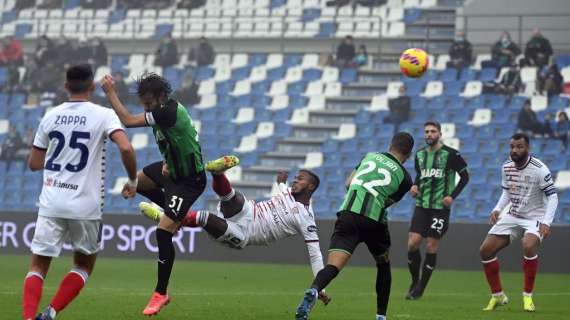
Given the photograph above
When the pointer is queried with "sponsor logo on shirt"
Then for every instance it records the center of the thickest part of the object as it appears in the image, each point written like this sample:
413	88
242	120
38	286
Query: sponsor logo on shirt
428	173
312	228
49	182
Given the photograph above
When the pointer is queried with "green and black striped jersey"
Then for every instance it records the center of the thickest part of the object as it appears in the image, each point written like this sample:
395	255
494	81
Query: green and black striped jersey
379	181
436	175
177	139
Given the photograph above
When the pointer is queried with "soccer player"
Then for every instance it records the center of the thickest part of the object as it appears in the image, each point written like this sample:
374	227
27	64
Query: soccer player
529	189
70	146
434	189
379	181
241	222
175	189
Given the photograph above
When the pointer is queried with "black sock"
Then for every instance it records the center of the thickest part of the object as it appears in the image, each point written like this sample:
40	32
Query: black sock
383	284
165	259
324	277
429	266
154	195
414	262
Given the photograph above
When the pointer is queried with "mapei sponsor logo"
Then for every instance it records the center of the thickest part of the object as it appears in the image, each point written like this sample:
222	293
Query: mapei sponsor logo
49	182
429	173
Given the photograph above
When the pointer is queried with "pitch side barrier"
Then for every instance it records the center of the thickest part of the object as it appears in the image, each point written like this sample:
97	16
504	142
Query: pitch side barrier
132	236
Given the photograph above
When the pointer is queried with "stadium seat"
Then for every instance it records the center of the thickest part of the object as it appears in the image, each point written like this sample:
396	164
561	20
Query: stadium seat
333	89
244	115
314	88
433	89
562	180
265	130
346	131
481	117
300	116
539	103
247	144
330	74
278	88
258	73
279	102
379	103
472	89
242	87
313	160
317	102
447	130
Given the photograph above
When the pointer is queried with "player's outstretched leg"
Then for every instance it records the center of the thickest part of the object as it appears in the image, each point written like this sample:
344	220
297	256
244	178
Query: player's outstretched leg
222	164
150	211
307	304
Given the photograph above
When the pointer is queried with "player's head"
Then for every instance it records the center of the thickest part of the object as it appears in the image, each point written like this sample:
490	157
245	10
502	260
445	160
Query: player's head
79	79
305	182
520	145
402	145
432	132
153	91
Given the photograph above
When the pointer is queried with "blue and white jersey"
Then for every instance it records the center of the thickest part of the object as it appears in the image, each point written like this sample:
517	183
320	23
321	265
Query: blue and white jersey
73	135
528	188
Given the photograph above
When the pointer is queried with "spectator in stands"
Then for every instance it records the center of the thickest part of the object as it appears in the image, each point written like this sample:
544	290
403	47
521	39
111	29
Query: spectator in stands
47	79
10	147
166	54
95	4
187	94
345	53
51	4
399	109
65	52
98	56
504	52
190	4
510	83
203	54
563	129
460	52
11	51
528	121
24	4
81	51
538	50
361	58
13	83
550	80
44	51
326	59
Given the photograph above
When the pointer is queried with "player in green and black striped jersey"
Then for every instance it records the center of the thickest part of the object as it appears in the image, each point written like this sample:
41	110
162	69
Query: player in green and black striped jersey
174	183
434	189
378	181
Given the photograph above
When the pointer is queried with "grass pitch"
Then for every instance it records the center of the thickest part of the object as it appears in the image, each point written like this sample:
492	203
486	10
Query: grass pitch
120	288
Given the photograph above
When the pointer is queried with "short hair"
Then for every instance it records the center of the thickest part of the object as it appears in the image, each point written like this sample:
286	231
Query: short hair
314	176
154	84
433	123
402	142
518	136
79	78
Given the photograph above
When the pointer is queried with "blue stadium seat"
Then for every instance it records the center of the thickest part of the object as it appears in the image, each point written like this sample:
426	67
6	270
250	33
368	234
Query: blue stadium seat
162	30
292	59
348	75
276	74
488	75
257	59
327	29
310	14
448	75
467	74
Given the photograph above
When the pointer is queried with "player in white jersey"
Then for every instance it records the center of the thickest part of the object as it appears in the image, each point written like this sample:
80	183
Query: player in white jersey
529	189
240	222
70	147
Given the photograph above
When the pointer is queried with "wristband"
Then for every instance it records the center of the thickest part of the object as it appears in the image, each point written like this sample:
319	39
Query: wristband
133	183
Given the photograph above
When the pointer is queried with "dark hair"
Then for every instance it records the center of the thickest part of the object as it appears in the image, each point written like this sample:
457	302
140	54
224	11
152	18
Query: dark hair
154	84
518	136
402	142
433	123
314	176
79	78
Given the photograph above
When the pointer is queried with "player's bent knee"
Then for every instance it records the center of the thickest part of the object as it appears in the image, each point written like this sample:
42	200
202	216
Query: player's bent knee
383	259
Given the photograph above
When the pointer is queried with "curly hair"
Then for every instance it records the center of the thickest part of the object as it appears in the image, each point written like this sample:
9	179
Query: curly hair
154	84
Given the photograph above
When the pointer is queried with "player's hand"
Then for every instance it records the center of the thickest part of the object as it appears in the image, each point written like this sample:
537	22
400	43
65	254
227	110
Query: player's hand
282	176
494	217
447	201
324	297
544	230
165	171
414	191
108	83
129	191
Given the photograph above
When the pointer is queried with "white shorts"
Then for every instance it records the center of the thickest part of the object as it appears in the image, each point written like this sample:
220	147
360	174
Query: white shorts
51	233
237	235
515	226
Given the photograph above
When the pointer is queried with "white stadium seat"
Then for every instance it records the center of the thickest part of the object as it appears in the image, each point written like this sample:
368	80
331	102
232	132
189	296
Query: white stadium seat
433	89
313	160
247	144
539	103
244	115
393	89
317	103
207	100
379	103
481	117
278	87
300	116
265	130
562	180
241	88
345	132
330	74
447	130
279	102
207	87
274	60
472	89
258	73
333	89
314	88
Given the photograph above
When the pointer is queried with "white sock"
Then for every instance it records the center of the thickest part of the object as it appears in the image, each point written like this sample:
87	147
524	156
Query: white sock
228	196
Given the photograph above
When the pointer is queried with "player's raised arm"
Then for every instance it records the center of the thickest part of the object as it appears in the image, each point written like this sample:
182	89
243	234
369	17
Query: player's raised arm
128	157
127	119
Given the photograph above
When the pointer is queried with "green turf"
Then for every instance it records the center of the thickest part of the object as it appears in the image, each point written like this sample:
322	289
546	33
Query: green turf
119	289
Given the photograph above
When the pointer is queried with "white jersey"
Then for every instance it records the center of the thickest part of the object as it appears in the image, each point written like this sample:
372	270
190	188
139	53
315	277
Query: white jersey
281	217
528	188
73	135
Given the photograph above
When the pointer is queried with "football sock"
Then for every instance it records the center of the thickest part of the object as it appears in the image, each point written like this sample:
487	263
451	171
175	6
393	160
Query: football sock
530	267
414	262
154	195
33	285
324	277
383	284
165	259
69	288
222	187
429	266
196	219
491	268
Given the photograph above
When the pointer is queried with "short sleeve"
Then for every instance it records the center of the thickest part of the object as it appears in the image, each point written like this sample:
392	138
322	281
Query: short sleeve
41	139
112	124
457	163
164	117
546	182
308	227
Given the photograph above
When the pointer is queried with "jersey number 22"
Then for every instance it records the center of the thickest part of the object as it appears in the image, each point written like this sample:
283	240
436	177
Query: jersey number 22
370	166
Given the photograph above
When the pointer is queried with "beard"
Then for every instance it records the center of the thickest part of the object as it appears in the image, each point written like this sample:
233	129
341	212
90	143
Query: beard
432	142
518	158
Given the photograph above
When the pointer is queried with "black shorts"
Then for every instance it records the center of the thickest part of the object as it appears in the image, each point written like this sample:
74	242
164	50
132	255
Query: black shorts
351	229
431	223
179	195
